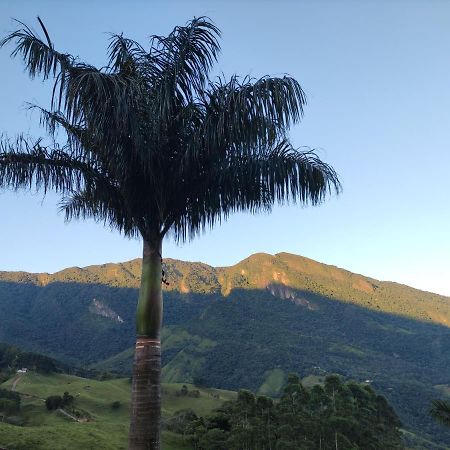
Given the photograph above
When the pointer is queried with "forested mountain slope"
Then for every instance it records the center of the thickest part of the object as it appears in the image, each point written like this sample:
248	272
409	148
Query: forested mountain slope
245	326
261	271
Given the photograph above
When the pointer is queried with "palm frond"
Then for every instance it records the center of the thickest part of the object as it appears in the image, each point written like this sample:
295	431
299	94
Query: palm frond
25	163
247	113
441	411
104	205
125	54
40	58
87	93
184	58
248	182
53	120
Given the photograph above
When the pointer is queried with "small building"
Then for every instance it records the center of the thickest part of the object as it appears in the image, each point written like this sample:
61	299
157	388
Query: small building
22	370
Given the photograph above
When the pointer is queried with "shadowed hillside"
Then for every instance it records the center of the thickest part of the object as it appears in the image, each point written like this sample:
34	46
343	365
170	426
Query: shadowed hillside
245	326
260	271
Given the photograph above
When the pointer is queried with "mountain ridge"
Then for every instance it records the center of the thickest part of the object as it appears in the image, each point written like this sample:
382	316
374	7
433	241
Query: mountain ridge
261	271
22	275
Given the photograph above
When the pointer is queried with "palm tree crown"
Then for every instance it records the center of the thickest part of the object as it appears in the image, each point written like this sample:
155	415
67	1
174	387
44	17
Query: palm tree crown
153	146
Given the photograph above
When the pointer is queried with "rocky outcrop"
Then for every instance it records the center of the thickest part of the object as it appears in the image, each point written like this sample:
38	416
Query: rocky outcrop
99	308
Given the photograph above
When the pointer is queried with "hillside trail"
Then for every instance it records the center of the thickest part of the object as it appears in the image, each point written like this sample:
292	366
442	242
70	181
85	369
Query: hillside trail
60	410
65	413
16	381
14	389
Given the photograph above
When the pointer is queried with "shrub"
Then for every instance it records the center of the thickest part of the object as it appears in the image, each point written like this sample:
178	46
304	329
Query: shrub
195	393
53	402
183	391
67	399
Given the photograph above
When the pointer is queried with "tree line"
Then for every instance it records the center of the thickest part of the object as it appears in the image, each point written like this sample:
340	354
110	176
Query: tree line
336	416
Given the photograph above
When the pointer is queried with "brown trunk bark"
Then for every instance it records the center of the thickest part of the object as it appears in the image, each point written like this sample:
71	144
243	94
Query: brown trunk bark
146	387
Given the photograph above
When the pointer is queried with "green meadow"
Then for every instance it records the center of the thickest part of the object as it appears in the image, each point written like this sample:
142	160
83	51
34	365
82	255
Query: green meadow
102	426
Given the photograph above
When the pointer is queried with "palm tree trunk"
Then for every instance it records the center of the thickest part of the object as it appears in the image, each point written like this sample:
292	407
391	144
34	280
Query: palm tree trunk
146	388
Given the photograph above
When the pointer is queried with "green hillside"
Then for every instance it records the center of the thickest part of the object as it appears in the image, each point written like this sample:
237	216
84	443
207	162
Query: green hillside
245	326
102	426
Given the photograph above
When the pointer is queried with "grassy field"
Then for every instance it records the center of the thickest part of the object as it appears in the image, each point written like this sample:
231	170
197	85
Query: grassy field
106	427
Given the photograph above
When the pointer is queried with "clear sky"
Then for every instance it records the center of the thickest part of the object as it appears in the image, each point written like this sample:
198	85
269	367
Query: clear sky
377	76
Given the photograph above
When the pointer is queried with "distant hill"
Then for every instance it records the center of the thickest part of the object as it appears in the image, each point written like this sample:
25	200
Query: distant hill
245	326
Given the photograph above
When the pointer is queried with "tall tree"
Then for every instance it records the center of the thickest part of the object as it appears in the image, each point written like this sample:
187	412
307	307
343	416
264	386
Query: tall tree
155	148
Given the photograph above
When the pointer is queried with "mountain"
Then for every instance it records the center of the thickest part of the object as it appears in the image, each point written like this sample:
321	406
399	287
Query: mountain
261	271
245	326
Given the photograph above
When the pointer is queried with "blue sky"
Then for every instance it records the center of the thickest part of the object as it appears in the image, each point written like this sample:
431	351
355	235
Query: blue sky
377	76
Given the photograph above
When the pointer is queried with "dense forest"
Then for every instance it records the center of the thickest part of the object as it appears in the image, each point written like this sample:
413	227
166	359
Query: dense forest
338	415
13	358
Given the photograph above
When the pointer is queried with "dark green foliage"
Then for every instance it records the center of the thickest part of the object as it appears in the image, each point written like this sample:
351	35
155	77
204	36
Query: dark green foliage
105	376
185	392
13	358
195	393
67	399
56	401
116	405
9	403
181	421
7	407
441	411
347	416
53	402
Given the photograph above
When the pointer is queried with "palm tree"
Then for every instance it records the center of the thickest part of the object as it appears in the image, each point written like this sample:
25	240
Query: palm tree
441	411
155	148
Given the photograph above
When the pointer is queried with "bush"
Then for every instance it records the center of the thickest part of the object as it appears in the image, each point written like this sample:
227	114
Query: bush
116	405
53	402
195	393
182	392
67	399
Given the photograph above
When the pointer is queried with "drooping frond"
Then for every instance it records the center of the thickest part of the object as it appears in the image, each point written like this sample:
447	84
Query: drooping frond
86	93
105	205
441	411
247	113
25	163
249	181
79	139
40	58
125	54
